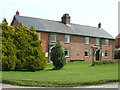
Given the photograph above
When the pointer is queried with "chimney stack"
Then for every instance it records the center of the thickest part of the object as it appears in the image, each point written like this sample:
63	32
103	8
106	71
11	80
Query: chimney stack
65	19
17	13
99	25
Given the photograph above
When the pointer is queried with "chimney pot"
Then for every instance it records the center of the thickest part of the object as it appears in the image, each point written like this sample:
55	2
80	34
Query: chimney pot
17	13
99	25
65	19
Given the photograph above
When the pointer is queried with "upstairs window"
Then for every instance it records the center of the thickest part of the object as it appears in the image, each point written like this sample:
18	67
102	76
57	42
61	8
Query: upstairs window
67	52
67	38
87	40
53	38
106	53
106	42
97	42
86	53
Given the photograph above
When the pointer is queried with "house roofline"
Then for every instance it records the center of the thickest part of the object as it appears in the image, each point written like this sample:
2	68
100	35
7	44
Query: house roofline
76	35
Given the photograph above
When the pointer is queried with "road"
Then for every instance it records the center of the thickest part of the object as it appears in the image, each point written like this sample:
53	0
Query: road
112	85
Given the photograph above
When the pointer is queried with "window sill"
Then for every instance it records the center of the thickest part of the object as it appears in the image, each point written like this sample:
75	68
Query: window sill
106	57
87	43
86	56
53	41
67	42
67	56
97	44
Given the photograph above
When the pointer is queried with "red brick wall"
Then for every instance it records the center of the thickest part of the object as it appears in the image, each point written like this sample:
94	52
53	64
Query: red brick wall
117	42
15	22
45	41
77	46
110	48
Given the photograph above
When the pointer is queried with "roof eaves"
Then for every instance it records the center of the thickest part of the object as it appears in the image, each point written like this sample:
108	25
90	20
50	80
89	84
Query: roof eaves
74	34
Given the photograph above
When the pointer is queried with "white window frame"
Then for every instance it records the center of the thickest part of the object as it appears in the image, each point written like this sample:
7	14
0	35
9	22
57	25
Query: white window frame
106	53
87	40
67	38
87	52
68	50
97	42
53	38
39	35
107	42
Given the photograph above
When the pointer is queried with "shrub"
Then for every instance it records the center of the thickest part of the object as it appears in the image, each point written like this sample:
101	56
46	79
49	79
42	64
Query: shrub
8	47
58	57
21	49
105	62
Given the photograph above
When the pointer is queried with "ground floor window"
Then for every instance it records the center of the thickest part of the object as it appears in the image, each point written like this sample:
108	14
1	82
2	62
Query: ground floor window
67	52
106	53
86	53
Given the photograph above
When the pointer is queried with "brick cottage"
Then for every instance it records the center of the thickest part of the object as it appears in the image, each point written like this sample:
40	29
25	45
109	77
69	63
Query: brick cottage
77	40
117	42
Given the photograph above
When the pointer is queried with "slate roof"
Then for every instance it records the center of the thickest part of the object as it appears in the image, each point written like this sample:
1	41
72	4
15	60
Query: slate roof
45	25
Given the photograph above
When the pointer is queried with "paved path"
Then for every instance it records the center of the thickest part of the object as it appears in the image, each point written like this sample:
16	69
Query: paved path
113	85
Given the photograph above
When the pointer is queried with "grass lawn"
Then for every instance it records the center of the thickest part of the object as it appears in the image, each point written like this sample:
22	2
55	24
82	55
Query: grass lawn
73	74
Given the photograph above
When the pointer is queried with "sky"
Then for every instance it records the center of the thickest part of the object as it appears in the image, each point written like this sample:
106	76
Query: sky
83	12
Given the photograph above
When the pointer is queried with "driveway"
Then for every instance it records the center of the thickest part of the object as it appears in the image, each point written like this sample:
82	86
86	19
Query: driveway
112	85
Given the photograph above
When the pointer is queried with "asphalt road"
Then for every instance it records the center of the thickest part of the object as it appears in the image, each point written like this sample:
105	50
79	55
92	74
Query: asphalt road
112	85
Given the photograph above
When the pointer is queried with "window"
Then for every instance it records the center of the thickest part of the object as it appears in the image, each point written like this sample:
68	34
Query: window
67	52
53	38
106	53
107	42
39	35
87	40
97	42
86	53
67	38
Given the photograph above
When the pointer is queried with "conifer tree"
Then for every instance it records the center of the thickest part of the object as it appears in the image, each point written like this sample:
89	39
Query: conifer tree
58	57
8	48
21	48
30	53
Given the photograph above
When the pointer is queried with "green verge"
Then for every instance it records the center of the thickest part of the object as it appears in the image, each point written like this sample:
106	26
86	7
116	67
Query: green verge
73	74
55	83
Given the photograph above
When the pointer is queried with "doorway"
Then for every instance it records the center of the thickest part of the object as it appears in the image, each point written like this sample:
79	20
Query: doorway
97	55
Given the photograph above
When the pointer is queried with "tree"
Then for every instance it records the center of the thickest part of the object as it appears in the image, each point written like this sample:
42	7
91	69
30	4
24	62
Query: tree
58	57
30	51
8	47
22	50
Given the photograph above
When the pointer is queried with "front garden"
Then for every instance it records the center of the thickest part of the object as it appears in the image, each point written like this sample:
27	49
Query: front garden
24	63
73	74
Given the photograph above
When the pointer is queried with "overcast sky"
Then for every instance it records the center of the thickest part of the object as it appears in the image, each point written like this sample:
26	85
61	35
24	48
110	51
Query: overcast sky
83	12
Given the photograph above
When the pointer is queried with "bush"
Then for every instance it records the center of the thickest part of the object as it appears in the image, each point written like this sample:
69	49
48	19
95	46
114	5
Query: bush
105	62
8	47
58	57
21	49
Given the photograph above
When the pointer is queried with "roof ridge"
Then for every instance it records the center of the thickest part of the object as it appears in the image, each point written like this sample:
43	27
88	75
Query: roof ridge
27	17
37	18
58	21
86	25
